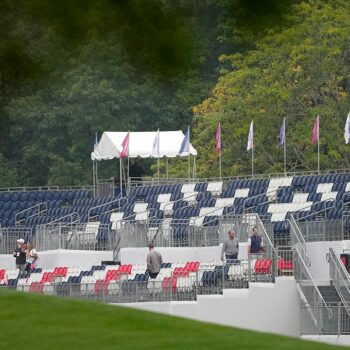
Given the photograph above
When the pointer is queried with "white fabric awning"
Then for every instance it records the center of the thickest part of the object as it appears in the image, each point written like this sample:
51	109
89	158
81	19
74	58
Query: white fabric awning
141	144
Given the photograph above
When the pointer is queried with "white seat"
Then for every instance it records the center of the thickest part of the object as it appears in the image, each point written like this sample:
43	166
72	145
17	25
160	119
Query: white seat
116	220
164	198
300	197
143	216
324	187
278	217
188	188
224	202
242	193
215	188
329	196
140	207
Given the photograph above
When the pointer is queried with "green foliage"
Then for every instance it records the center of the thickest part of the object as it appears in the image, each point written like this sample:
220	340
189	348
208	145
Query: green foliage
295	71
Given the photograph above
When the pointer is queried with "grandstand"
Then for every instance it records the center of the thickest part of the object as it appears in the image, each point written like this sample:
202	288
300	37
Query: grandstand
303	220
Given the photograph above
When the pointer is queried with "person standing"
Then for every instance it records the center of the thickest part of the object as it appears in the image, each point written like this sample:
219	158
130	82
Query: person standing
154	261
255	243
20	255
32	257
230	247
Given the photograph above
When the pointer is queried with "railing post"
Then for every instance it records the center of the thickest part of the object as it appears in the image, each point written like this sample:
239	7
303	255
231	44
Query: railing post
339	319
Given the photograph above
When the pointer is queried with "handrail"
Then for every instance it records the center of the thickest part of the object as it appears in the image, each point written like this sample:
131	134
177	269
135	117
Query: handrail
63	217
313	283
343	274
264	230
299	238
182	199
260	195
27	209
104	204
45	188
320	211
131	216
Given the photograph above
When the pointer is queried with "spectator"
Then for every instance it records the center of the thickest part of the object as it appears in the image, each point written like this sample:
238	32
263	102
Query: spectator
154	261
255	243
32	257
20	255
230	247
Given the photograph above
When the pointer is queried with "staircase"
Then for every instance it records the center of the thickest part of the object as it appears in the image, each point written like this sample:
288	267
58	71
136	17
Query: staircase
339	320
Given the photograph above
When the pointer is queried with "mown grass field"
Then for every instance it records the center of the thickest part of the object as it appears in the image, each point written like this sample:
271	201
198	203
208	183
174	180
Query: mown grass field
38	322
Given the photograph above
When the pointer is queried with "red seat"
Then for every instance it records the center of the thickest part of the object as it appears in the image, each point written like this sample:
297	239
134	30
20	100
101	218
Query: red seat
192	266
180	272
111	275
169	284
285	265
263	266
125	269
36	287
48	277
2	274
60	271
101	287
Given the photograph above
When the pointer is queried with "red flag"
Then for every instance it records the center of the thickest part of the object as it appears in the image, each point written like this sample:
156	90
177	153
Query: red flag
218	139
125	151
315	131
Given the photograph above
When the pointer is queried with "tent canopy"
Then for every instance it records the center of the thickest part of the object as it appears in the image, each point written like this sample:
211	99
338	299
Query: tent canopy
141	144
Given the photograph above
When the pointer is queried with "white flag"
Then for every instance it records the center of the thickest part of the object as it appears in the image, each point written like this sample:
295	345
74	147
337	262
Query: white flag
347	129
250	144
155	147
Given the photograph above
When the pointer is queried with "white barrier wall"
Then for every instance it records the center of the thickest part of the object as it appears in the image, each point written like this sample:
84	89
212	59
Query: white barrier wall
61	257
317	252
265	307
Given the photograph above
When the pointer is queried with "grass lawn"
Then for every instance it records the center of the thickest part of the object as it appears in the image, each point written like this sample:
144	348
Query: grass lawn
38	322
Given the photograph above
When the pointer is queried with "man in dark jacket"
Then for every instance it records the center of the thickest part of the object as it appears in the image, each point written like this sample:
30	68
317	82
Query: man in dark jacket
255	243
20	255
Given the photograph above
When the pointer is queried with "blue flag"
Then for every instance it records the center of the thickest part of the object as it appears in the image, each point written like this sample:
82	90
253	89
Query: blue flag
185	146
283	132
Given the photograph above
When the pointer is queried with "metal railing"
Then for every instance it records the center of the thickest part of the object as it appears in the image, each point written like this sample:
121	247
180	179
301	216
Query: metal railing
339	277
173	286
9	236
145	181
309	292
118	200
45	188
41	208
297	239
74	236
314	320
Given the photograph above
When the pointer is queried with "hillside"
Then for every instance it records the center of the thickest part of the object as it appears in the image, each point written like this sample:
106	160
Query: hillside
39	322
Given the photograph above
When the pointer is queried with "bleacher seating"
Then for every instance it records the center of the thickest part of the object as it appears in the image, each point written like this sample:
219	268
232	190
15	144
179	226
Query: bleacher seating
125	279
196	204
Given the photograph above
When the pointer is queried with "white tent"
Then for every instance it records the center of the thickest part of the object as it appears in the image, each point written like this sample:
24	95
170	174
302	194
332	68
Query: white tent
141	144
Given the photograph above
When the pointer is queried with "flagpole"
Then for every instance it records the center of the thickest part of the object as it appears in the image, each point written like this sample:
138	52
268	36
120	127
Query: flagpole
220	163
252	161
167	168
127	181
189	166
158	154
93	178
318	145
285	149
121	176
